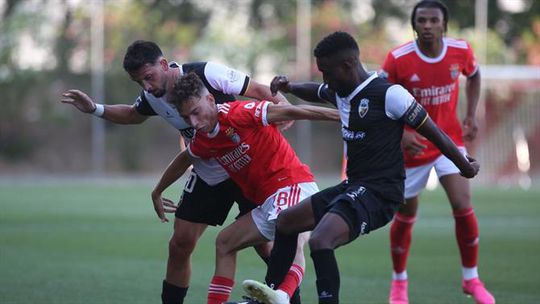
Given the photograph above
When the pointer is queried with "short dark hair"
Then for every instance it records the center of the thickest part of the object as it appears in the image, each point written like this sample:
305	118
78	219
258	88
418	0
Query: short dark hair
334	43
431	4
140	53
185	87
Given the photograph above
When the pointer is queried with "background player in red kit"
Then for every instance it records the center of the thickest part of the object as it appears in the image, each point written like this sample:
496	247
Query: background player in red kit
429	68
242	138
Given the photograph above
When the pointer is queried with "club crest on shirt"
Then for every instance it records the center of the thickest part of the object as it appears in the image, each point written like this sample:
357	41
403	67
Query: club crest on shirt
232	135
454	71
363	108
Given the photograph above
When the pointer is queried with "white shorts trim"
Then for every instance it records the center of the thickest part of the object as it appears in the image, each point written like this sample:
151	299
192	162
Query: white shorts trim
265	215
417	177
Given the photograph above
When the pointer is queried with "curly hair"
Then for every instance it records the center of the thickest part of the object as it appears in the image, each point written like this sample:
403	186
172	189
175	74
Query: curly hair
431	4
334	43
140	53
185	87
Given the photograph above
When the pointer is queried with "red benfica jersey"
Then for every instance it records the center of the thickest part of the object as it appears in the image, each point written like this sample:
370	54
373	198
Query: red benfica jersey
434	82
255	154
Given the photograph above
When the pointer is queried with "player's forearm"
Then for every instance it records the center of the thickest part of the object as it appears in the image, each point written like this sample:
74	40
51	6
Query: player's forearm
279	99
447	147
318	113
305	90
122	114
472	92
173	172
262	92
279	113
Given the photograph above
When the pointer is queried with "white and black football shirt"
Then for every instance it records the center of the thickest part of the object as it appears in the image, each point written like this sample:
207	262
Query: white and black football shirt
372	119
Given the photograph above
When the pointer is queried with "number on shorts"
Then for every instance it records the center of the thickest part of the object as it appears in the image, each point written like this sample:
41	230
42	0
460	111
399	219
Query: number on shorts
190	184
282	199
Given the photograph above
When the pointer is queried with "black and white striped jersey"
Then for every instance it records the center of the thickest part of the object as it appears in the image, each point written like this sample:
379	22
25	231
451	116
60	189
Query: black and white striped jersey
372	119
223	82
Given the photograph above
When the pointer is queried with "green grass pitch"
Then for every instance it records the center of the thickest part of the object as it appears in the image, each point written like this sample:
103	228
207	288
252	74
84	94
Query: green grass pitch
101	243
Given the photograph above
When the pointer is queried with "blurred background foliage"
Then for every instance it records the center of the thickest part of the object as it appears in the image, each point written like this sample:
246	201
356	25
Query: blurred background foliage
45	49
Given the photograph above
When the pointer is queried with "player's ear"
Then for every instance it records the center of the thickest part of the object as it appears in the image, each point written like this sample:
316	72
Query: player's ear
164	64
210	98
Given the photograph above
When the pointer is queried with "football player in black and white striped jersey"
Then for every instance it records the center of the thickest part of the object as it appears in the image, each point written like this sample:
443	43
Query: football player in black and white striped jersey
209	193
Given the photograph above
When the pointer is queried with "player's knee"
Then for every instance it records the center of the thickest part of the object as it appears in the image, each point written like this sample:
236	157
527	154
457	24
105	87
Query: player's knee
223	244
461	201
318	242
408	209
182	245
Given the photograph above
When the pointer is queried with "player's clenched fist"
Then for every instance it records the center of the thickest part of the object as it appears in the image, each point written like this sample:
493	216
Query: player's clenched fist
279	83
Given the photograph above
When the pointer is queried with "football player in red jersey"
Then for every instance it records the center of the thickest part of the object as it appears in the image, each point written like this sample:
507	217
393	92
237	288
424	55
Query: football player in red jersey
429	68
244	140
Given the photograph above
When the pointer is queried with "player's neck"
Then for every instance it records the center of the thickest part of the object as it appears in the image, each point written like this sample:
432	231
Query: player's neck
360	75
430	48
173	75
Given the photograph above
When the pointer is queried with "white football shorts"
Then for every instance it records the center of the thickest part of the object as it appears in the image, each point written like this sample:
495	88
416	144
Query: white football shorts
417	177
265	215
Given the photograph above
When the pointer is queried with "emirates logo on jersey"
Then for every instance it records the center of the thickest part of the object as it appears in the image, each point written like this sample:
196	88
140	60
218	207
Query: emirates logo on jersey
454	71
363	108
232	135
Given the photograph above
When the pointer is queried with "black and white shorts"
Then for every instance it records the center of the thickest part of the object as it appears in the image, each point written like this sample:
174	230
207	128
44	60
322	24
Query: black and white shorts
362	210
202	203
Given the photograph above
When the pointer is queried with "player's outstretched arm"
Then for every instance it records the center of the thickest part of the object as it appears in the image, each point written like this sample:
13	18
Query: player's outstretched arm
468	166
172	173
278	113
262	92
305	90
119	113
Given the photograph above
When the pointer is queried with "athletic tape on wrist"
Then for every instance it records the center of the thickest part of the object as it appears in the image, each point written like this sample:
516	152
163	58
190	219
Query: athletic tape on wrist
100	109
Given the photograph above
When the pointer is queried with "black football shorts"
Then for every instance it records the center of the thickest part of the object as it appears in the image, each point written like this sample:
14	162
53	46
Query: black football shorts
202	203
362	210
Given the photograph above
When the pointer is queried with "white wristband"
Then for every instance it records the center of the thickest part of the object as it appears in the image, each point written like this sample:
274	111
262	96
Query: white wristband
99	111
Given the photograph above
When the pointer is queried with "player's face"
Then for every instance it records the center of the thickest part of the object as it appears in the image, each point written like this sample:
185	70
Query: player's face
200	113
152	78
429	24
335	74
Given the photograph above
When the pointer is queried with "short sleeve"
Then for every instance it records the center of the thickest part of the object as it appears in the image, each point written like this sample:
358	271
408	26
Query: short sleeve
142	106
326	94
249	114
401	105
225	79
471	66
398	100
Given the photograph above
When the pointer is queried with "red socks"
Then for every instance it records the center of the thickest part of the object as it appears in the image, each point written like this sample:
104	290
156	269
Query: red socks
219	290
467	236
292	279
400	240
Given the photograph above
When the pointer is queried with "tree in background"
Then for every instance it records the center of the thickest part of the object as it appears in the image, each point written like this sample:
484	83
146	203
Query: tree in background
257	36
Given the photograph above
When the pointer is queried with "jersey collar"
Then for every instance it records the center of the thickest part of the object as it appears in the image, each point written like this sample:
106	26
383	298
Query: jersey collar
429	59
360	87
175	65
214	132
